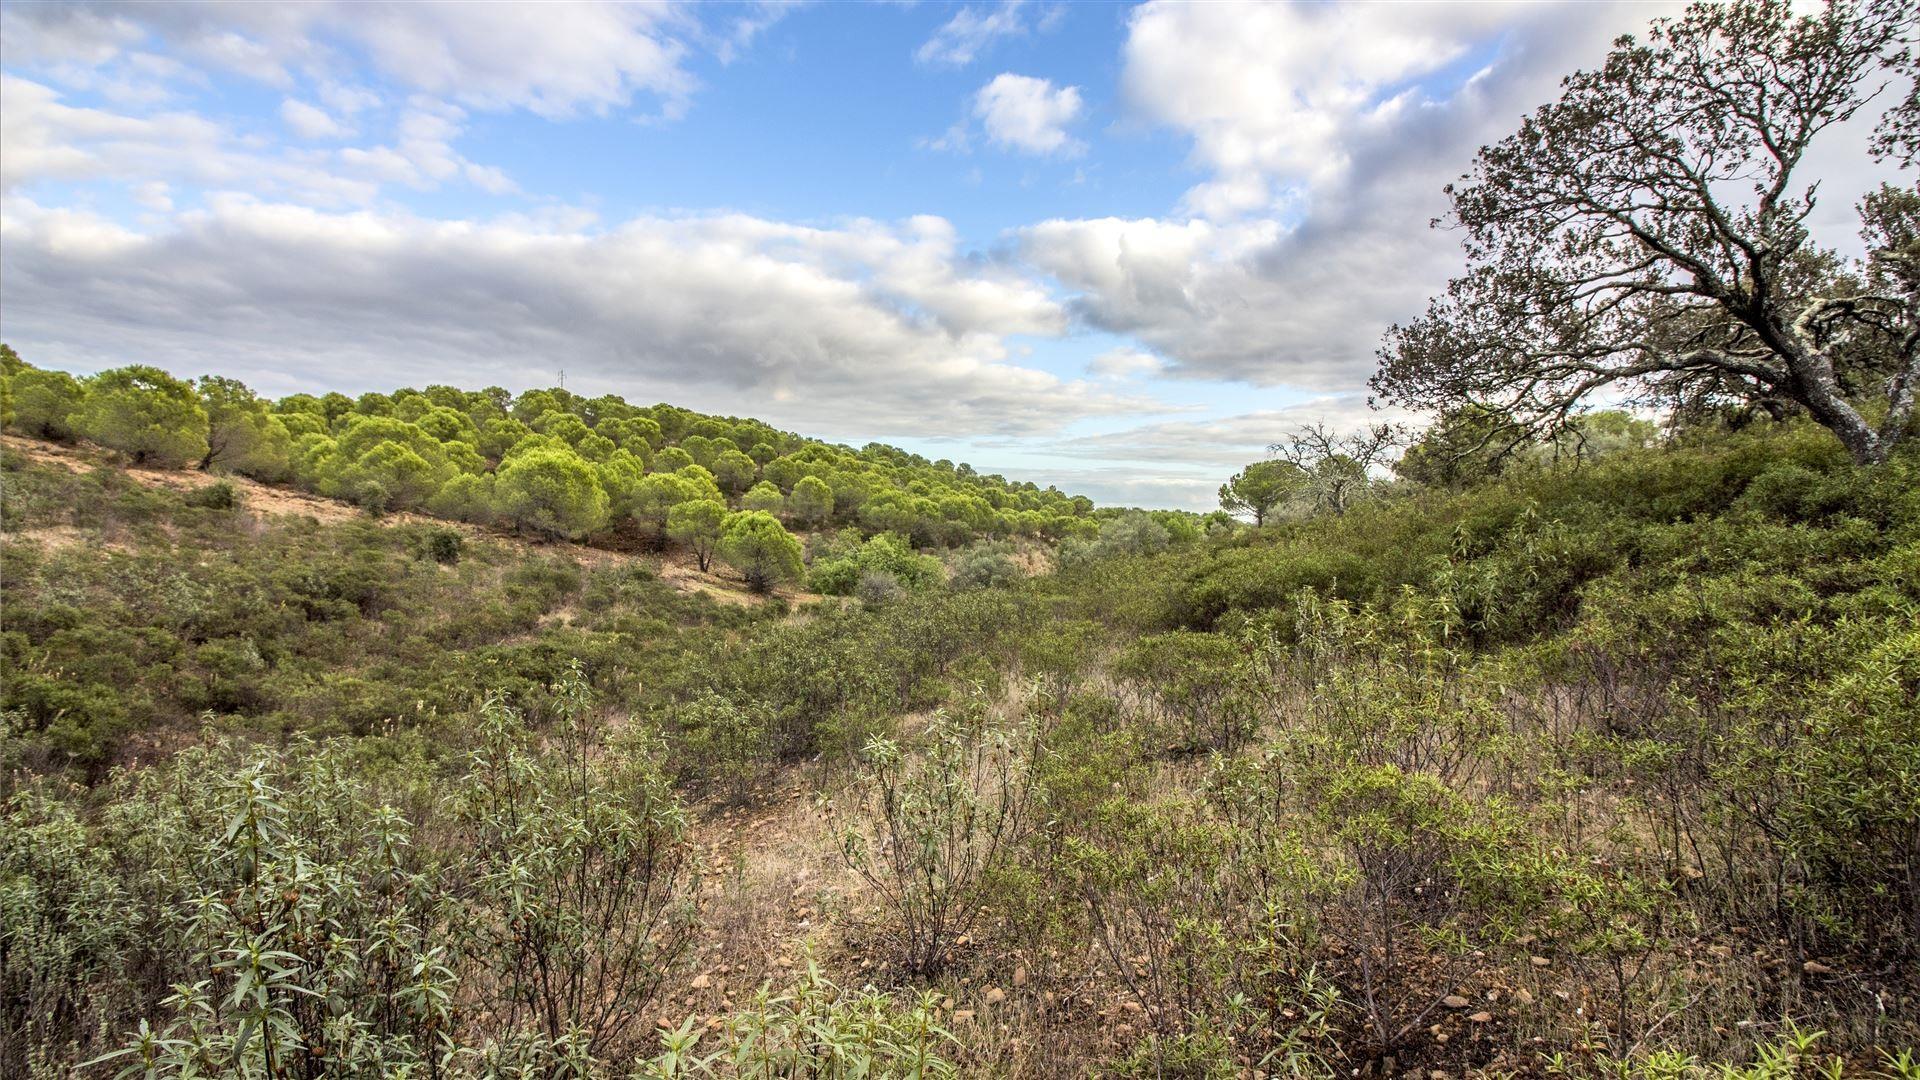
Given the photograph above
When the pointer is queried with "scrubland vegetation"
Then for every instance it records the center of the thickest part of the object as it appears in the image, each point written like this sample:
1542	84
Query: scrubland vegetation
1600	764
447	733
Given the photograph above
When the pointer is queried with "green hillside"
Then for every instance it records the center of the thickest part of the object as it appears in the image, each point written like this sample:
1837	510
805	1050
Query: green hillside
545	462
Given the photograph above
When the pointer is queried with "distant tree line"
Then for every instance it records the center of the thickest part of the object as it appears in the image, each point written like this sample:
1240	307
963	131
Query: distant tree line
547	462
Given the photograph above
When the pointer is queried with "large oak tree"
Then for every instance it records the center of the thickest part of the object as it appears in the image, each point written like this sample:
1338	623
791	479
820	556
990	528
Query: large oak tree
1649	233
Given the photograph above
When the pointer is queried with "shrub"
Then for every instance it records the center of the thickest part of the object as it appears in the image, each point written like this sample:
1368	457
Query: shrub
815	1028
932	828
985	566
219	495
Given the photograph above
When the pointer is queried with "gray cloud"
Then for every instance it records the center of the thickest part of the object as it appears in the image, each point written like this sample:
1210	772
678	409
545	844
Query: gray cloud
1307	240
864	330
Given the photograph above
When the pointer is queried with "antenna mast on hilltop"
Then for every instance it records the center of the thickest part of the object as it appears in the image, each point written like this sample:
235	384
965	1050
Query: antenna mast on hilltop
563	378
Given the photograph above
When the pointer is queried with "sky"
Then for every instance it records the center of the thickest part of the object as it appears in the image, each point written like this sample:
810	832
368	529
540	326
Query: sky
1116	248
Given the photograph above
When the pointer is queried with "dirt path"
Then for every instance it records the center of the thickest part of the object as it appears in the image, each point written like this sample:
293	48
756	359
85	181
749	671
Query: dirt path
773	887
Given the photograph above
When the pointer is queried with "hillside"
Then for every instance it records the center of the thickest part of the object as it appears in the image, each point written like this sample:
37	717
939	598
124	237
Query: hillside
547	462
1597	767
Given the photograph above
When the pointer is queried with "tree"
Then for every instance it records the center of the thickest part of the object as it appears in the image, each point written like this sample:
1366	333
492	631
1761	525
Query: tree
45	404
1338	468
621	475
733	471
699	524
553	491
654	498
1649	232
763	496
672	459
146	414
1463	447
1260	487
448	425
243	435
393	476
466	497
811	502
765	553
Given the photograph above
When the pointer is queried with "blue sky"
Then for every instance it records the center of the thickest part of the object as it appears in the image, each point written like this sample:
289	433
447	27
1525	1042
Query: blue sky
1119	248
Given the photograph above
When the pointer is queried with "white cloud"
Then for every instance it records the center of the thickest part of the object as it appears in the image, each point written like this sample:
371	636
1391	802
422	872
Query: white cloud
1125	363
1272	94
45	139
557	59
155	195
868	329
1029	114
742	30
971	32
311	121
1326	135
1150	486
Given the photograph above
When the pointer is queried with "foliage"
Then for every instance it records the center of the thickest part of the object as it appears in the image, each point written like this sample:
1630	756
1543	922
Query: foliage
755	544
815	1028
985	566
811	501
885	557
1649	232
1260	488
699	524
286	918
44	403
551	491
445	451
243	436
932	830
146	414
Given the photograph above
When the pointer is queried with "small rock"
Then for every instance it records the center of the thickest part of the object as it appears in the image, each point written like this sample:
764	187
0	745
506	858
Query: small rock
1539	961
1481	1017
1455	1001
